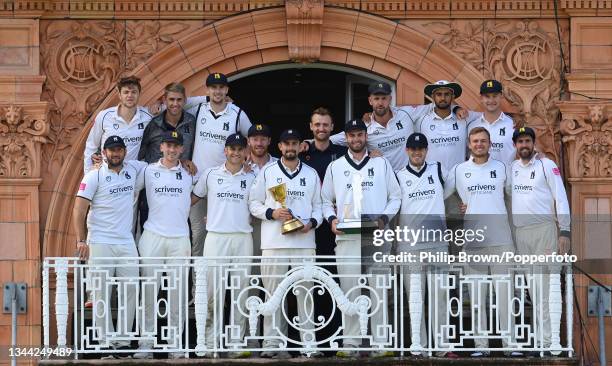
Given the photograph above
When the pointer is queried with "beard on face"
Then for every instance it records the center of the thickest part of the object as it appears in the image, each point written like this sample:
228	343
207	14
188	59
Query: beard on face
525	153
442	105
381	111
357	146
290	155
114	162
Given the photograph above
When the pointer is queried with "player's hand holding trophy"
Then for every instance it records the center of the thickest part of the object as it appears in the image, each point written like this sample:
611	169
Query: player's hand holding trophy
279	193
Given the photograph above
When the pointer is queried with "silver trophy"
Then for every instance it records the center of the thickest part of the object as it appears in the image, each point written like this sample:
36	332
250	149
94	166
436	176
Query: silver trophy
352	221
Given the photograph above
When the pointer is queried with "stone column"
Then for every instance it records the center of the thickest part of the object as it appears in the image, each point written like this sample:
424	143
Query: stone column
23	129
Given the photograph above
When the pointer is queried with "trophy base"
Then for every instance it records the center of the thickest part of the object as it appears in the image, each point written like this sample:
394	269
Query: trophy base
292	225
356	226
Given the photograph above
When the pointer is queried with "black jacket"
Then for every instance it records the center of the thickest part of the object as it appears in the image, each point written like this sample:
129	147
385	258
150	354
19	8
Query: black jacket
151	138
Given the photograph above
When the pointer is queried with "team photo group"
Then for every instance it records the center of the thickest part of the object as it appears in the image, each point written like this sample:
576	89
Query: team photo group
192	176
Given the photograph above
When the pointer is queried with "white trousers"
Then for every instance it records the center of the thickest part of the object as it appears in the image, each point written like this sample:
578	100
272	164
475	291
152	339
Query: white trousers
197	216
275	326
479	296
349	271
101	290
540	239
440	298
175	282
222	276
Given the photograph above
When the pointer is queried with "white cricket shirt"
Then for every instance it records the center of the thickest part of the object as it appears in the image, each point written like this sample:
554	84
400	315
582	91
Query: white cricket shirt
112	197
255	168
169	199
228	199
537	188
303	199
109	123
447	138
501	130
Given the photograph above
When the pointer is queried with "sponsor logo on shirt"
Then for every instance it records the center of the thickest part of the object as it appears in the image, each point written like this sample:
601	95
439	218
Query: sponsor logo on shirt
213	136
121	190
556	171
132	140
295	194
445	140
230	195
390	143
481	188
166	189
421	195
82	186
363	184
497	145
522	188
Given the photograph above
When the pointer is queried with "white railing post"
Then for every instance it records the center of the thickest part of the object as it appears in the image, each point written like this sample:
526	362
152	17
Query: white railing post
554	309
201	304
61	300
569	308
416	312
45	303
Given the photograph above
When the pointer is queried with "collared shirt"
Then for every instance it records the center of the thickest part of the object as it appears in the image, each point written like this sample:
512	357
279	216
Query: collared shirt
379	194
112	196
289	170
389	139
320	159
255	168
422	204
212	129
303	198
447	138
169	198
537	188
109	123
151	139
482	188
501	130
229	198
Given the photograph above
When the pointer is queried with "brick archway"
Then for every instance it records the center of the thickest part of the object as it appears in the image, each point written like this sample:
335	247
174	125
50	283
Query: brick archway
249	40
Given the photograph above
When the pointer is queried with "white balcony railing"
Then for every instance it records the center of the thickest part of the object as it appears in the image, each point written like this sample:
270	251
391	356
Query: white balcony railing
377	303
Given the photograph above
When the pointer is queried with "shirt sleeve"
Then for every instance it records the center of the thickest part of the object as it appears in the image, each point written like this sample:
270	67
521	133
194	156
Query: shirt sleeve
317	212
201	187
89	185
471	118
192	103
140	177
245	124
257	197
418	112
394	192
555	183
328	195
449	185
338	139
94	142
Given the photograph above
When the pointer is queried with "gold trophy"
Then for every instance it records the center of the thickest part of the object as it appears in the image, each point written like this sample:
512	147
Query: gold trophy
279	193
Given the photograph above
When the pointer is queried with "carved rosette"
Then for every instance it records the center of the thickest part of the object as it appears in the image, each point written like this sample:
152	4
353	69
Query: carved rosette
304	22
586	130
23	129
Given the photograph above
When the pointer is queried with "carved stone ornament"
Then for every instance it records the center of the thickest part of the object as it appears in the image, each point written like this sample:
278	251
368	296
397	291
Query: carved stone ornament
23	129
587	134
304	22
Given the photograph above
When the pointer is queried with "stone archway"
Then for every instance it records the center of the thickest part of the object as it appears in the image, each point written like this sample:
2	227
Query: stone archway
248	40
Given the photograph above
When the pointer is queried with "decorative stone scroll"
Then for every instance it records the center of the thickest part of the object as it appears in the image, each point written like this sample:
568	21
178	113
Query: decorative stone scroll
304	23
23	129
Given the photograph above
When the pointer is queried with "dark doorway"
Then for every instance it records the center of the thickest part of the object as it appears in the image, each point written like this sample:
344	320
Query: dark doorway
285	98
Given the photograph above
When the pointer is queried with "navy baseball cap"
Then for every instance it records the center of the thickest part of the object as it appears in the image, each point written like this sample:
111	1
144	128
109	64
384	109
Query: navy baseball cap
216	78
417	140
172	136
379	87
355	124
114	141
236	139
490	86
290	135
523	131
259	129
